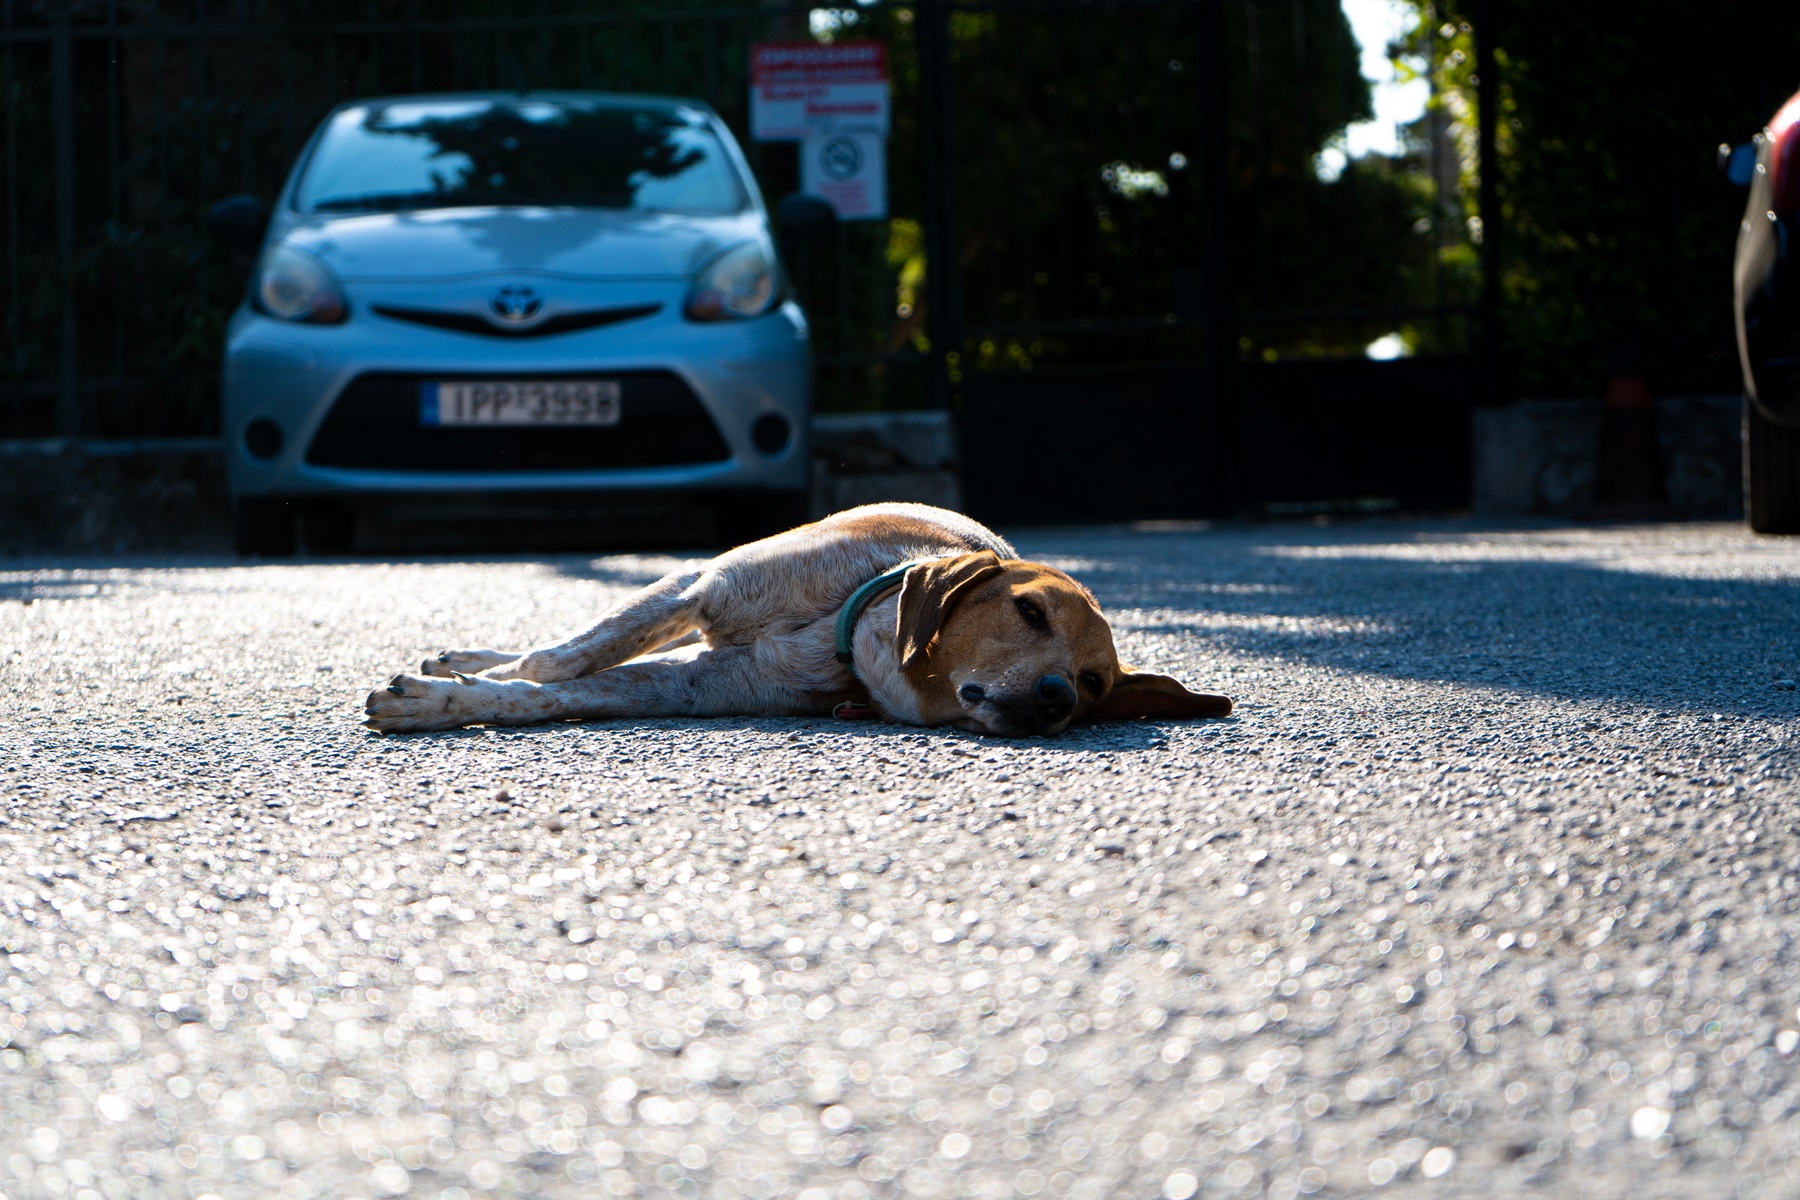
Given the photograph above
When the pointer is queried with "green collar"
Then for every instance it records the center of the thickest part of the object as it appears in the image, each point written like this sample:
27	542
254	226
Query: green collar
860	599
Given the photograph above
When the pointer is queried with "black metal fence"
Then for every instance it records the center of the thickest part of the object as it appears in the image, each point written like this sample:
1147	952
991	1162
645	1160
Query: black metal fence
125	119
1073	186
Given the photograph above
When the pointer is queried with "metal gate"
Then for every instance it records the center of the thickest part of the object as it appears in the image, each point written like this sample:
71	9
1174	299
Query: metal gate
1108	247
1163	306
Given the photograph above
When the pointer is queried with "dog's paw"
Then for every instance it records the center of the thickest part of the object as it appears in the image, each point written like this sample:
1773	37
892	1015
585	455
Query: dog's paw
411	704
469	662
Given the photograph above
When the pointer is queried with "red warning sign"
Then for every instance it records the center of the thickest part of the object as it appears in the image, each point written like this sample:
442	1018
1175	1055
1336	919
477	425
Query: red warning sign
805	89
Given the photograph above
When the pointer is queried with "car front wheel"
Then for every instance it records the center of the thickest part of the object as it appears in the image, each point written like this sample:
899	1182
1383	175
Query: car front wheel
1771	473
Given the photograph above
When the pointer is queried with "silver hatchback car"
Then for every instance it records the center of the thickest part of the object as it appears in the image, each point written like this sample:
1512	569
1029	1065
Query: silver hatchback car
465	299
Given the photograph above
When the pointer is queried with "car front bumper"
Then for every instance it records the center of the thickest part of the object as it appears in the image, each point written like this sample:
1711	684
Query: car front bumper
292	375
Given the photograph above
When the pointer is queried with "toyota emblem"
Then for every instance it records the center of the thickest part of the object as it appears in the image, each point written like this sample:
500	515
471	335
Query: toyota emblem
516	302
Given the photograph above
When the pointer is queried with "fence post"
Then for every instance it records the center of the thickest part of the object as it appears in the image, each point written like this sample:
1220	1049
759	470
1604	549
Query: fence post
1221	304
62	105
1487	109
942	284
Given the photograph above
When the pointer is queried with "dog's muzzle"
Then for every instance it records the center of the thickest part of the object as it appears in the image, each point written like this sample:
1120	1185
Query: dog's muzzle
1050	703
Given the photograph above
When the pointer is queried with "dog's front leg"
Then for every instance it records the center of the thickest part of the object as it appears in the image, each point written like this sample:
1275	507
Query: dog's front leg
725	682
654	617
470	662
450	662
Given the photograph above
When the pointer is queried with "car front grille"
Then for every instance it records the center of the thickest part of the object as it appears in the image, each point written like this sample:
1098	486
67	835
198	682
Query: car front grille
374	424
457	322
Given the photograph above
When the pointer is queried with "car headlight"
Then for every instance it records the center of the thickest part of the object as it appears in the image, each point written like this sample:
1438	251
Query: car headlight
739	283
294	286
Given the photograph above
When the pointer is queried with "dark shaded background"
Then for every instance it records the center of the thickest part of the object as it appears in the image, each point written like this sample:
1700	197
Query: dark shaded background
1615	221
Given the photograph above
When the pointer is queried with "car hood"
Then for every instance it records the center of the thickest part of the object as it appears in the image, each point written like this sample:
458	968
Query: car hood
444	243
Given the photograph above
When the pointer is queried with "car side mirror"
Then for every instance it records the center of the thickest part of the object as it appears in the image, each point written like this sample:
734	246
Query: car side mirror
239	221
1738	163
804	220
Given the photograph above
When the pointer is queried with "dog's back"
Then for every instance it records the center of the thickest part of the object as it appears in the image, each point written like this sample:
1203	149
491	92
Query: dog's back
924	524
806	574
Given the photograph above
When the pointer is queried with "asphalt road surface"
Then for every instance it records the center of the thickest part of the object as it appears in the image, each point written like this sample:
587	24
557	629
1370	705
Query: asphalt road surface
1488	889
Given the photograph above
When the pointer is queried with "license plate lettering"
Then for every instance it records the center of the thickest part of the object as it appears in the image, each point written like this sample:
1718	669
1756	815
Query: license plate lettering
590	402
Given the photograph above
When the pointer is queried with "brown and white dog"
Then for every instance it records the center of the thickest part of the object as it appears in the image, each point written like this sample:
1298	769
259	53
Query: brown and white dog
967	635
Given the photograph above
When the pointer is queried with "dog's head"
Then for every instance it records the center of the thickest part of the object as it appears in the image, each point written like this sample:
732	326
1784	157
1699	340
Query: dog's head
1014	648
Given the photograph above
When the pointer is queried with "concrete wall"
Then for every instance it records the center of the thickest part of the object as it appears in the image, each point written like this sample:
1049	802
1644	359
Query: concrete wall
169	494
1534	458
113	496
1538	457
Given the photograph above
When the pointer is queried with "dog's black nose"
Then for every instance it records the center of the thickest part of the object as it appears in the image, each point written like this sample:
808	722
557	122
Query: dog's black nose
1056	699
972	693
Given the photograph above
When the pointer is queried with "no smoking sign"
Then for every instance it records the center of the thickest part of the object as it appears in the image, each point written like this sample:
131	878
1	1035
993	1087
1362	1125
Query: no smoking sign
849	170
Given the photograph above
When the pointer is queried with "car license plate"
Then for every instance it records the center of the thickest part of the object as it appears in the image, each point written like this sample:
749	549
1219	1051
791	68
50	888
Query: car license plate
500	402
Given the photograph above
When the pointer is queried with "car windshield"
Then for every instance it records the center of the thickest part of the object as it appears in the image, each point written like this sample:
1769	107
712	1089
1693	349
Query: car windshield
560	153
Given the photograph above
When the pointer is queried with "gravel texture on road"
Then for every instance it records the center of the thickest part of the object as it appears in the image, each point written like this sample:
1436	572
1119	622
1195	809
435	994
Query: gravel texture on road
1488	889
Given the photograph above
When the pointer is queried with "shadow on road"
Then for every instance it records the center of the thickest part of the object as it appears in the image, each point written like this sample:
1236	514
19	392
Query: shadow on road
1461	610
1108	738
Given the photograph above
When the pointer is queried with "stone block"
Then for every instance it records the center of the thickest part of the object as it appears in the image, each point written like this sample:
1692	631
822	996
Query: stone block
865	458
1538	457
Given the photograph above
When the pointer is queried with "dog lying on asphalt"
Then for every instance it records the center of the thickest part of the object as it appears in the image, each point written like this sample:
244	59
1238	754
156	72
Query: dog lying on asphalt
900	611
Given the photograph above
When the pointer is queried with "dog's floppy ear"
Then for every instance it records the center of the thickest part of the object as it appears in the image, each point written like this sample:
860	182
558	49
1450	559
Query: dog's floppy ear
929	592
1142	694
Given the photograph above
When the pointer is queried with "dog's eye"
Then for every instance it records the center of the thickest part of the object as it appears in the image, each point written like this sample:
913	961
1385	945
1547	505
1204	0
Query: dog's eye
1034	616
1091	683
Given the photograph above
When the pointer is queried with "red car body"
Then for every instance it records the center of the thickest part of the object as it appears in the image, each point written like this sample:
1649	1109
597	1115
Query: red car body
1766	275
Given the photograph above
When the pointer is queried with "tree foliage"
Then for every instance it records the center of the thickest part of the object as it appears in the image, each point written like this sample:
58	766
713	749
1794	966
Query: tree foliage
1616	223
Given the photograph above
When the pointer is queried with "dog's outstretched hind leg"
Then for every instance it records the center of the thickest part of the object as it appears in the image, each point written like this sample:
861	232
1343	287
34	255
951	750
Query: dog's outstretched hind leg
651	619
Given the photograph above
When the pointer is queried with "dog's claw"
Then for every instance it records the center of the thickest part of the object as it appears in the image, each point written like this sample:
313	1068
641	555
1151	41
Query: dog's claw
461	678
